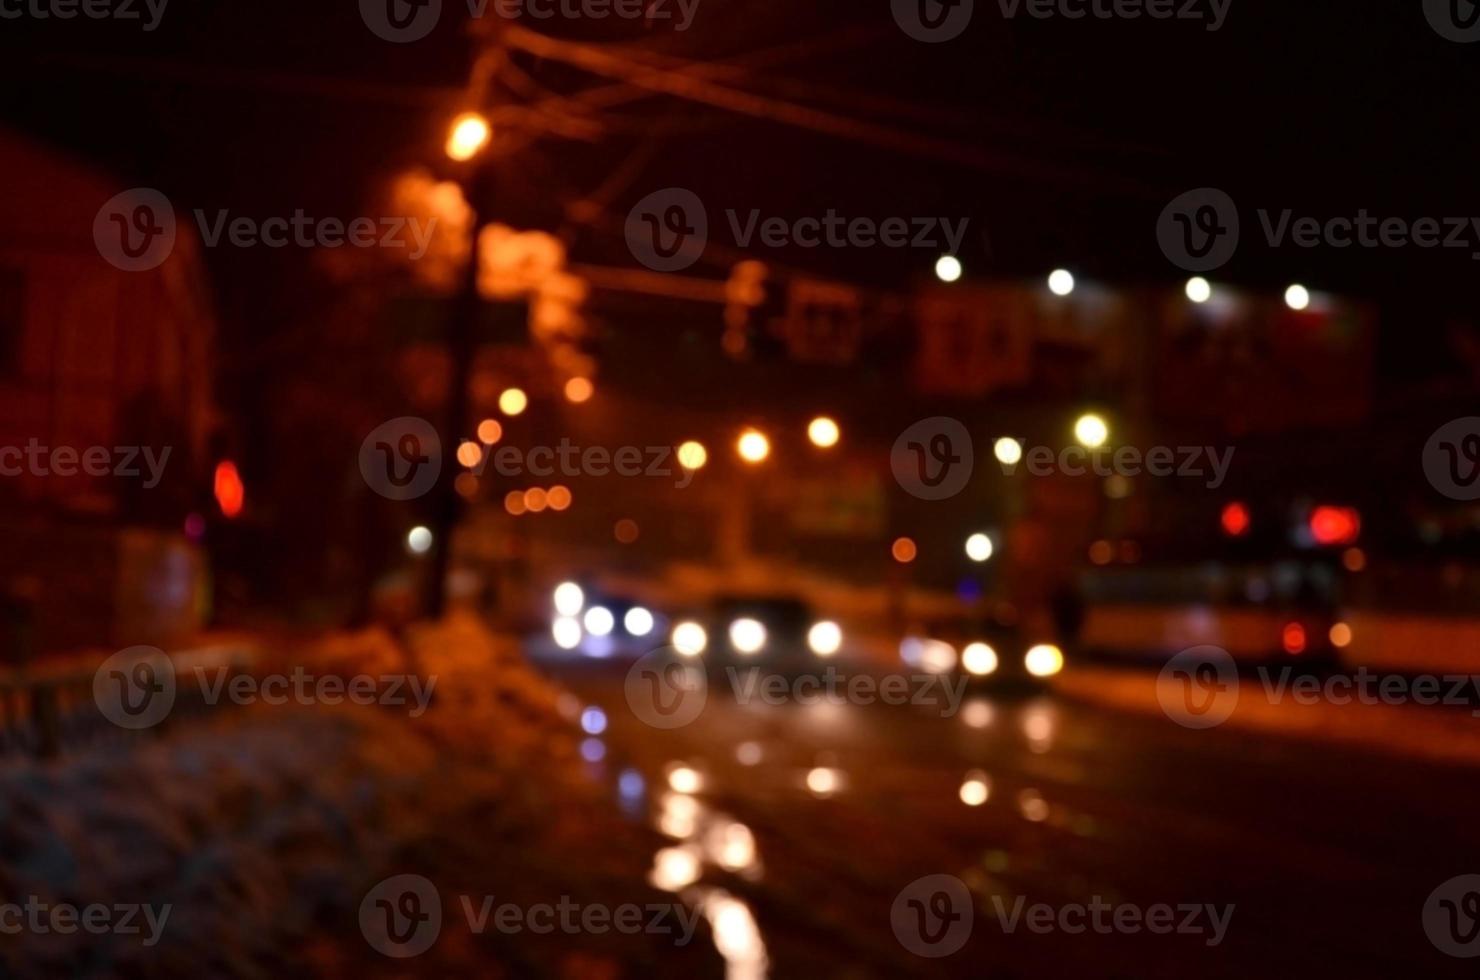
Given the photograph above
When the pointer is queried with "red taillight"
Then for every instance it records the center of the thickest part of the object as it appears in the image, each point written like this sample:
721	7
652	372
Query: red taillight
1294	638
230	494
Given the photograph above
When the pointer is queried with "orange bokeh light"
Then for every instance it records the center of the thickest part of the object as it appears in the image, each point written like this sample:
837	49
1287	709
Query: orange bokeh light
558	498
578	390
470	454
904	550
490	431
535	500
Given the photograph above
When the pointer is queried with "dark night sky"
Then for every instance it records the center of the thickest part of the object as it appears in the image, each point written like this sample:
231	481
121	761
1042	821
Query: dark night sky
1320	106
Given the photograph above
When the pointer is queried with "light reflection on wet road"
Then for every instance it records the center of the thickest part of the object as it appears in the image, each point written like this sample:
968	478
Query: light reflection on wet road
794	827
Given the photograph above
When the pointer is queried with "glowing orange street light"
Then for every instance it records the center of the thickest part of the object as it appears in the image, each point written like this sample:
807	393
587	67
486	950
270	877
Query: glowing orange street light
904	550
470	133
579	390
823	432
753	446
513	401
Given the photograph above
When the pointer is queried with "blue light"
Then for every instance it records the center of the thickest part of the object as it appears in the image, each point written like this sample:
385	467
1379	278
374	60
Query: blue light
593	750
593	721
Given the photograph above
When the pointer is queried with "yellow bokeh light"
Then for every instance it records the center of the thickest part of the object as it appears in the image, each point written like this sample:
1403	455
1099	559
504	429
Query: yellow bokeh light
1091	431
823	432
470	133
513	401
753	446
692	455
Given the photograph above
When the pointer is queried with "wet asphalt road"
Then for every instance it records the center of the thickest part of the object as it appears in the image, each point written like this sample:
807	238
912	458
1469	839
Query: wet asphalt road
1327	856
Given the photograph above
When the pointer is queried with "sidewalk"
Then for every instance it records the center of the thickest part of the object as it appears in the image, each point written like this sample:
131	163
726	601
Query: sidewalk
1441	733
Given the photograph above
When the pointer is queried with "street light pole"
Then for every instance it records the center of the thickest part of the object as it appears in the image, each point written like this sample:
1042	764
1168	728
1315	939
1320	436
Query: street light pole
461	328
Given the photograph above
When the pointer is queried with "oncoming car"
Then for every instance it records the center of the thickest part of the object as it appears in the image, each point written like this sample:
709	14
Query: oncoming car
598	623
771	630
981	651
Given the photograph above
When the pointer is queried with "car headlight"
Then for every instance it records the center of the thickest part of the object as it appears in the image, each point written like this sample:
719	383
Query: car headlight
825	638
569	599
979	659
599	621
1044	660
567	632
638	621
747	635
690	639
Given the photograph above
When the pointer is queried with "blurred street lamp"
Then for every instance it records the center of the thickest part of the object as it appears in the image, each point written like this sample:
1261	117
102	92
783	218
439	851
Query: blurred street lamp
903	550
490	432
948	268
513	402
1297	297
1061	282
470	133
823	432
978	547
579	390
753	446
1199	290
419	540
692	455
1009	451
1091	431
